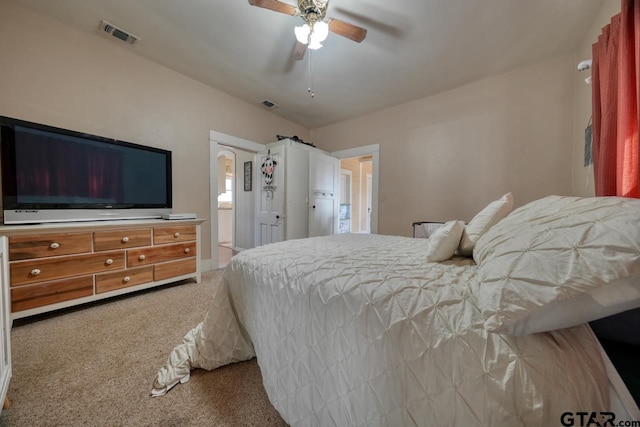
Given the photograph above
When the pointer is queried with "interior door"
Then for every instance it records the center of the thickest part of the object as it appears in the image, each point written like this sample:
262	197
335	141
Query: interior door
270	215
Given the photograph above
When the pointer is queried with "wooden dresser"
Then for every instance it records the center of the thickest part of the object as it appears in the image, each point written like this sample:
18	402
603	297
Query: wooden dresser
54	266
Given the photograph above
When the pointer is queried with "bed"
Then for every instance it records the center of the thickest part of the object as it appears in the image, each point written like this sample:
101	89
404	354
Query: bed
482	324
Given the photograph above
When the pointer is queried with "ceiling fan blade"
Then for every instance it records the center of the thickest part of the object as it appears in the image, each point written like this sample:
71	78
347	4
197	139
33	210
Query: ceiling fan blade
350	31
275	5
299	51
396	30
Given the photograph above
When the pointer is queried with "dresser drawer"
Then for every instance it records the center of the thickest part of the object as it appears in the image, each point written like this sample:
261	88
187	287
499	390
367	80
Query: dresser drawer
45	245
152	255
120	239
106	282
166	270
44	269
41	294
175	234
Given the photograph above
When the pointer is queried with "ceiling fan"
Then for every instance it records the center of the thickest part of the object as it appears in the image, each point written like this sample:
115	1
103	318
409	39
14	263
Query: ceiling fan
316	26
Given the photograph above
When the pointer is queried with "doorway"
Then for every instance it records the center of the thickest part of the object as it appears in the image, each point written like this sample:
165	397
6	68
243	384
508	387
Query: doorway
362	162
226	205
356	194
368	161
346	200
243	203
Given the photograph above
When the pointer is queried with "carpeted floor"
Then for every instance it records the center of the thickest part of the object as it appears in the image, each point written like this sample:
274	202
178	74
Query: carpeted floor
95	366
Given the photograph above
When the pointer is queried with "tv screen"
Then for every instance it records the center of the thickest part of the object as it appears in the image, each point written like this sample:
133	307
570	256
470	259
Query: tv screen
51	175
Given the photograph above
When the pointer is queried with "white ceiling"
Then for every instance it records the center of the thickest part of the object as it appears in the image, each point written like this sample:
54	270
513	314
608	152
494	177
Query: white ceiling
413	49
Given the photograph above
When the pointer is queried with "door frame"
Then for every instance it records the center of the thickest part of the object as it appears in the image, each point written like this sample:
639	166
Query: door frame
217	139
374	151
367	215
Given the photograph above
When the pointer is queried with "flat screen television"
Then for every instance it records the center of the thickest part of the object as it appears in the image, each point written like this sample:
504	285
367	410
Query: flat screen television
57	175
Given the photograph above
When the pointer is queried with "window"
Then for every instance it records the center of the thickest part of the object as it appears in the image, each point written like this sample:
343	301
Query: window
227	196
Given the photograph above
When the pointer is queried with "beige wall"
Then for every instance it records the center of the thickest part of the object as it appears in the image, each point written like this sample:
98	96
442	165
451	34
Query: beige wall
582	179
53	74
449	155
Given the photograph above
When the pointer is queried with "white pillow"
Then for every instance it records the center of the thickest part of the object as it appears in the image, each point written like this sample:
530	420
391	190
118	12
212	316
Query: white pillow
444	241
559	262
483	221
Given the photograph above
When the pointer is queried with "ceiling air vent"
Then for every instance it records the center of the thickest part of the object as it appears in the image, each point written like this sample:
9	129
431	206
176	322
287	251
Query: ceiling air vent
270	105
118	33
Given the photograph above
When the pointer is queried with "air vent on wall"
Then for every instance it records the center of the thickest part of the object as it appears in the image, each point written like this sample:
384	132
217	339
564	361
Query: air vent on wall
269	104
119	33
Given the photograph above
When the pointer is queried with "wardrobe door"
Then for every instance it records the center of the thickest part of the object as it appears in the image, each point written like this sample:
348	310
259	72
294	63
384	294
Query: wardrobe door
324	172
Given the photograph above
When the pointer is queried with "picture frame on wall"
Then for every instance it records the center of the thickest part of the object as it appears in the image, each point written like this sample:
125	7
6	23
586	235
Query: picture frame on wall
248	173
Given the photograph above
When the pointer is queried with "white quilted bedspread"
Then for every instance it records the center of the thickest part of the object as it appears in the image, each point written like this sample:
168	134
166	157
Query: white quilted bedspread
360	330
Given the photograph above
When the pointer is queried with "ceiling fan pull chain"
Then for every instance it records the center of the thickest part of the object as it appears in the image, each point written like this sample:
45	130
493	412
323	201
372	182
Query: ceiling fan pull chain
310	88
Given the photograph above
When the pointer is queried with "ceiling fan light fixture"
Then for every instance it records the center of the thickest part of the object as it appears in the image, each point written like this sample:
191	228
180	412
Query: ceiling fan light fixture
320	31
314	44
302	33
313	34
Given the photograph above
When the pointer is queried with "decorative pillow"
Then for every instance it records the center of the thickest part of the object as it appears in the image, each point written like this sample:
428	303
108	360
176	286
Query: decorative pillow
483	221
444	241
559	262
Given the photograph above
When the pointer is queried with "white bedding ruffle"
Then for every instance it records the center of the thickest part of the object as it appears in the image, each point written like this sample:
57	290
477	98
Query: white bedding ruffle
217	341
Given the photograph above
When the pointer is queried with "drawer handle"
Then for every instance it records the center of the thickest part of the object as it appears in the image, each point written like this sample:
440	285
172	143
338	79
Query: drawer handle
176	234
142	257
186	250
127	278
109	261
35	272
54	245
125	239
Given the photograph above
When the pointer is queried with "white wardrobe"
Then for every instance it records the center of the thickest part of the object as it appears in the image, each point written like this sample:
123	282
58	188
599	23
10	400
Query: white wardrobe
299	198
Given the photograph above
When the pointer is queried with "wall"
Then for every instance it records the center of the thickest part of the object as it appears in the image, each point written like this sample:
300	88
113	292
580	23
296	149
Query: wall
56	75
582	178
449	155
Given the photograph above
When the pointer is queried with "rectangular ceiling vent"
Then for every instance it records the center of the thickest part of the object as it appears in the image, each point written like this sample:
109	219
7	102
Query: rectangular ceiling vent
119	33
270	105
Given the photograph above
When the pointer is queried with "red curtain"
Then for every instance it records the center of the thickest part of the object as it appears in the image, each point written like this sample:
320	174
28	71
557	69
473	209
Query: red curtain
616	111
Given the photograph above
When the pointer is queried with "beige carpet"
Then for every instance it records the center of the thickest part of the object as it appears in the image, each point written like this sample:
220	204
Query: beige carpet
95	366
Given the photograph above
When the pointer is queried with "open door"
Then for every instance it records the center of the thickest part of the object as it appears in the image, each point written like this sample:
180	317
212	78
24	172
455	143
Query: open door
270	215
